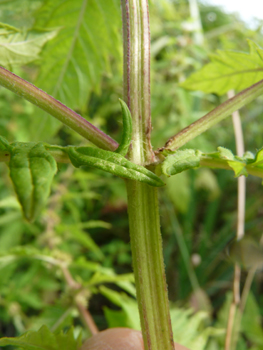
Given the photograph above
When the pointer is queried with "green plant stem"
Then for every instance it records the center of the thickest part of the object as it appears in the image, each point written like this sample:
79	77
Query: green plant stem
55	108
222	164
215	116
136	77
146	244
143	207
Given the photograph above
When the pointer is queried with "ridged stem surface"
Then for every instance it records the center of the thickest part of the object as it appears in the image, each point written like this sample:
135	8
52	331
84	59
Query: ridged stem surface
146	241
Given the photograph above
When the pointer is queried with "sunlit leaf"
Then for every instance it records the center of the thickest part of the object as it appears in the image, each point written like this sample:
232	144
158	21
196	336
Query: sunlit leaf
43	339
73	63
228	70
22	47
189	328
128	317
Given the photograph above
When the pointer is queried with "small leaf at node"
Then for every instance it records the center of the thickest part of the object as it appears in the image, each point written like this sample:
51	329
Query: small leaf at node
127	130
180	161
113	163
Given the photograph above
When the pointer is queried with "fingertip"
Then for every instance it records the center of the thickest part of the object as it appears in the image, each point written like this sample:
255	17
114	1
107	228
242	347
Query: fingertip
119	339
115	339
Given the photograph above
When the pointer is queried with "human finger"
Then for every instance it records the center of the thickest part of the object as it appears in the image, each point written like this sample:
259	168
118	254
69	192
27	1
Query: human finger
118	339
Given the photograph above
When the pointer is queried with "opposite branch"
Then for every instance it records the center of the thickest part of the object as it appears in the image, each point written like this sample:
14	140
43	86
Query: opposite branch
215	116
55	108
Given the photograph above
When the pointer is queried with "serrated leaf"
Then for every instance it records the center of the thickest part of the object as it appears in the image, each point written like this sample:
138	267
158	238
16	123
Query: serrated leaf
180	161
228	70
113	163
189	328
43	339
21	47
73	63
130	313
32	170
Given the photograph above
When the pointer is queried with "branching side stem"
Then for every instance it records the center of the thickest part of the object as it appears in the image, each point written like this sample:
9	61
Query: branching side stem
215	116
57	109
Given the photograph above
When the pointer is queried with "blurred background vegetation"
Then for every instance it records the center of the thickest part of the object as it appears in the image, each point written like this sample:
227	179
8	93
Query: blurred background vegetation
85	224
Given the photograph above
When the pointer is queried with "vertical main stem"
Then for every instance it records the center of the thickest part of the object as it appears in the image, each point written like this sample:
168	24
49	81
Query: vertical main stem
148	266
146	242
136	77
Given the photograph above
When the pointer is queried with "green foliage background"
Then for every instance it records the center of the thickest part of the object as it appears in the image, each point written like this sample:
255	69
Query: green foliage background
76	56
